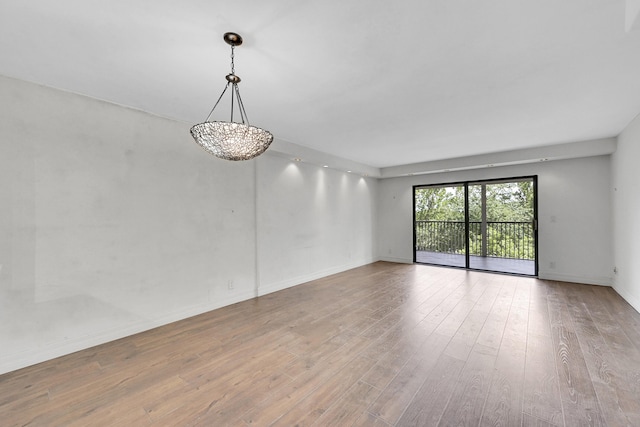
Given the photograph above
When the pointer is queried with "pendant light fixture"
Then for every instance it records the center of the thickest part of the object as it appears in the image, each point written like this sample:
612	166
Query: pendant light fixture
232	140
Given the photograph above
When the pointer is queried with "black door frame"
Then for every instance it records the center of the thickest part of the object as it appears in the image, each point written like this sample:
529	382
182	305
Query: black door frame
465	184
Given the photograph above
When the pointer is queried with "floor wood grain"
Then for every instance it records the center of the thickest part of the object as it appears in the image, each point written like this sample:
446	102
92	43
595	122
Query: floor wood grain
381	345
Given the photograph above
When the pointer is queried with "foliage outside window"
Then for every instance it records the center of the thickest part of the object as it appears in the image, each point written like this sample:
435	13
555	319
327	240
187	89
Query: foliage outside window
440	222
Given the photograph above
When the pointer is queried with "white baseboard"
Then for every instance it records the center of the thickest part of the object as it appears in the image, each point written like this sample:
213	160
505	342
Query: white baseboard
50	351
598	280
268	288
396	260
632	300
53	350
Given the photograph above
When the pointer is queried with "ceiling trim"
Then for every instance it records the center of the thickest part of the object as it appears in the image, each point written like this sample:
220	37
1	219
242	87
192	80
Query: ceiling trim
571	150
590	148
300	153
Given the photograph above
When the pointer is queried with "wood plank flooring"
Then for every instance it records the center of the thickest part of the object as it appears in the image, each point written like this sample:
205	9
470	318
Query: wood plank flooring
380	345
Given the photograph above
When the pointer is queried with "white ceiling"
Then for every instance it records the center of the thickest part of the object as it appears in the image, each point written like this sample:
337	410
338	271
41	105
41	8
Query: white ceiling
379	82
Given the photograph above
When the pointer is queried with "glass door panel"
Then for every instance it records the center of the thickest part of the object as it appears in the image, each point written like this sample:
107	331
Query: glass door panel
501	226
439	233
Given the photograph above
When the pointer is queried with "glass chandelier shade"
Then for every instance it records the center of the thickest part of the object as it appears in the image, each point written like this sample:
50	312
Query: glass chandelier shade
232	140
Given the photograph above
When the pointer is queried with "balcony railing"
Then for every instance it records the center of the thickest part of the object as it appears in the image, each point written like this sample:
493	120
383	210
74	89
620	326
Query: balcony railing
504	239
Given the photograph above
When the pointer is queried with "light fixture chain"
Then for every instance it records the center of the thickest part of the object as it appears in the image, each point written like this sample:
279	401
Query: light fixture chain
233	66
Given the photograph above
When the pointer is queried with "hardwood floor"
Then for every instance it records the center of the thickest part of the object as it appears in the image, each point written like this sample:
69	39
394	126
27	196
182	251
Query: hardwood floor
381	345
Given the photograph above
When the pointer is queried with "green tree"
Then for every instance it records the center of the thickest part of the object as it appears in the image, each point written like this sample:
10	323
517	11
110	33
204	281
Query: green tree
509	210
440	216
439	204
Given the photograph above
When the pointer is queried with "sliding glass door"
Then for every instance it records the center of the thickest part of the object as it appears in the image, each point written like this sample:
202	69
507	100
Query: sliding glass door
482	225
440	236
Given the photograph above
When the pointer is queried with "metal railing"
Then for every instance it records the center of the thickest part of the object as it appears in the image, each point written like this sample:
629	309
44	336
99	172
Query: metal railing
504	239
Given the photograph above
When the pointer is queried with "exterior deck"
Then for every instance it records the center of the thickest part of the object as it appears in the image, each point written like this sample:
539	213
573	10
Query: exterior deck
503	265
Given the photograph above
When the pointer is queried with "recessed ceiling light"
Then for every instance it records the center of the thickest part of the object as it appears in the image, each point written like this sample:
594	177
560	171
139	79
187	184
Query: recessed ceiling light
349	171
297	159
325	166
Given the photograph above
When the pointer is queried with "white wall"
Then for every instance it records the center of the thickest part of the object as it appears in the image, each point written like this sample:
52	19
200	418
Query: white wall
573	208
626	217
114	221
312	221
